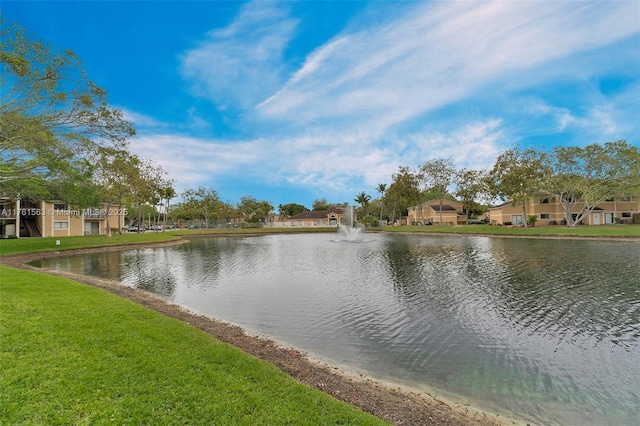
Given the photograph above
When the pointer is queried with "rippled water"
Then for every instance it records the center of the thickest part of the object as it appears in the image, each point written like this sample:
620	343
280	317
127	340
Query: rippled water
546	329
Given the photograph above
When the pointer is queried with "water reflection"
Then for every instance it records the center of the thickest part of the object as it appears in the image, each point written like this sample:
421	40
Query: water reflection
548	329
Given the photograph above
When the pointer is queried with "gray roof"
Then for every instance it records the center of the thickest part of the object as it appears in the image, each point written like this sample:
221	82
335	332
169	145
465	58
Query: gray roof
320	214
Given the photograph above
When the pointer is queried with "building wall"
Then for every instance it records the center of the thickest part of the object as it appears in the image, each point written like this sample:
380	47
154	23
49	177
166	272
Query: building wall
550	211
431	213
55	219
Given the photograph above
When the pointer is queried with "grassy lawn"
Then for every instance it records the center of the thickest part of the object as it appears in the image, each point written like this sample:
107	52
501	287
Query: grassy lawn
221	231
33	245
74	354
581	231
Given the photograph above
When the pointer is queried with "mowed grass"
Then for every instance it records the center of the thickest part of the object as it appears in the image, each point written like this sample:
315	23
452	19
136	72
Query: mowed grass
253	231
34	245
548	231
74	354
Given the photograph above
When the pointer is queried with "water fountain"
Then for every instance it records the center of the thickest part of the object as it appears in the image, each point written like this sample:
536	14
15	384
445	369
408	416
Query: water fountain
348	225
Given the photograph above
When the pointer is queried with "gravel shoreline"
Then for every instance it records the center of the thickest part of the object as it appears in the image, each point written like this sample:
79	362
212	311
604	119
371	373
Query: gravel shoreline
396	405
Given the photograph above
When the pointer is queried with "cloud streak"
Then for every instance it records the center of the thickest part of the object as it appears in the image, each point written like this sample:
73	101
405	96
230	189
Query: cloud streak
415	85
238	65
438	53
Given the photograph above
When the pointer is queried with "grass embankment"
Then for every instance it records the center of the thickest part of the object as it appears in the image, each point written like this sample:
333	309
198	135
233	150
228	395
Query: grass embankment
73	354
602	231
36	245
251	231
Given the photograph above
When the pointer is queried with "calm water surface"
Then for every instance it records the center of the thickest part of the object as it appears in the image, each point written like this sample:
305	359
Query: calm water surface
546	329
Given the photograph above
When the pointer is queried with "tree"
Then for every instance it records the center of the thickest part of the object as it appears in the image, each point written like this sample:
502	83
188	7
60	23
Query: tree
51	114
320	205
585	177
202	203
227	212
254	211
146	180
437	175
167	193
517	175
291	209
403	192
116	170
363	199
471	185
381	188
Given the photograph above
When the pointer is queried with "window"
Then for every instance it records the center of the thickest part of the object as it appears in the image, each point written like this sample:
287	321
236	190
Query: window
544	201
60	225
610	199
626	214
544	216
61	206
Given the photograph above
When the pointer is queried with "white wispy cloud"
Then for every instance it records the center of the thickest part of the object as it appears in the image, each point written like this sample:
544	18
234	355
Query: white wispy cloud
191	161
372	98
241	64
441	52
141	120
335	168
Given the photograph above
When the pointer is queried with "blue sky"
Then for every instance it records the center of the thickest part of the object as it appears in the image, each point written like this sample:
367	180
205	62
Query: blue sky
296	101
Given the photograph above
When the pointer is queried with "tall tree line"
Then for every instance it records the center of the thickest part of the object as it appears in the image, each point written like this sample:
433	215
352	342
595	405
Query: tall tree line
579	178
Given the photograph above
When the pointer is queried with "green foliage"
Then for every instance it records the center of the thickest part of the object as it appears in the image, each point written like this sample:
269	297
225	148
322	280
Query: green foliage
382	189
51	115
437	174
363	199
517	175
251	225
471	186
202	203
320	205
291	209
403	192
370	221
254	211
74	354
585	177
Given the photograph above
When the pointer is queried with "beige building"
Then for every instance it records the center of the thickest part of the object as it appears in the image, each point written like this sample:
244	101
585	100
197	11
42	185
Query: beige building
331	217
22	218
452	213
548	211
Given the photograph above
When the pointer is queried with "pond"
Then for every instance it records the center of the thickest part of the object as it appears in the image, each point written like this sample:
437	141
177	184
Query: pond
546	329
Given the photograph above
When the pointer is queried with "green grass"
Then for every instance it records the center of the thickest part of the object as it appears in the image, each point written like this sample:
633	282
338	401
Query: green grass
32	245
581	231
74	354
223	231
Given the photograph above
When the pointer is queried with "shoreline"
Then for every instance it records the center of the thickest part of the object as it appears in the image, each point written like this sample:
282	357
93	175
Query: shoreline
535	237
393	402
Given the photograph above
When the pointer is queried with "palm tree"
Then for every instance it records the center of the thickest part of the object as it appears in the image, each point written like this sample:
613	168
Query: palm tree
167	194
362	199
382	187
